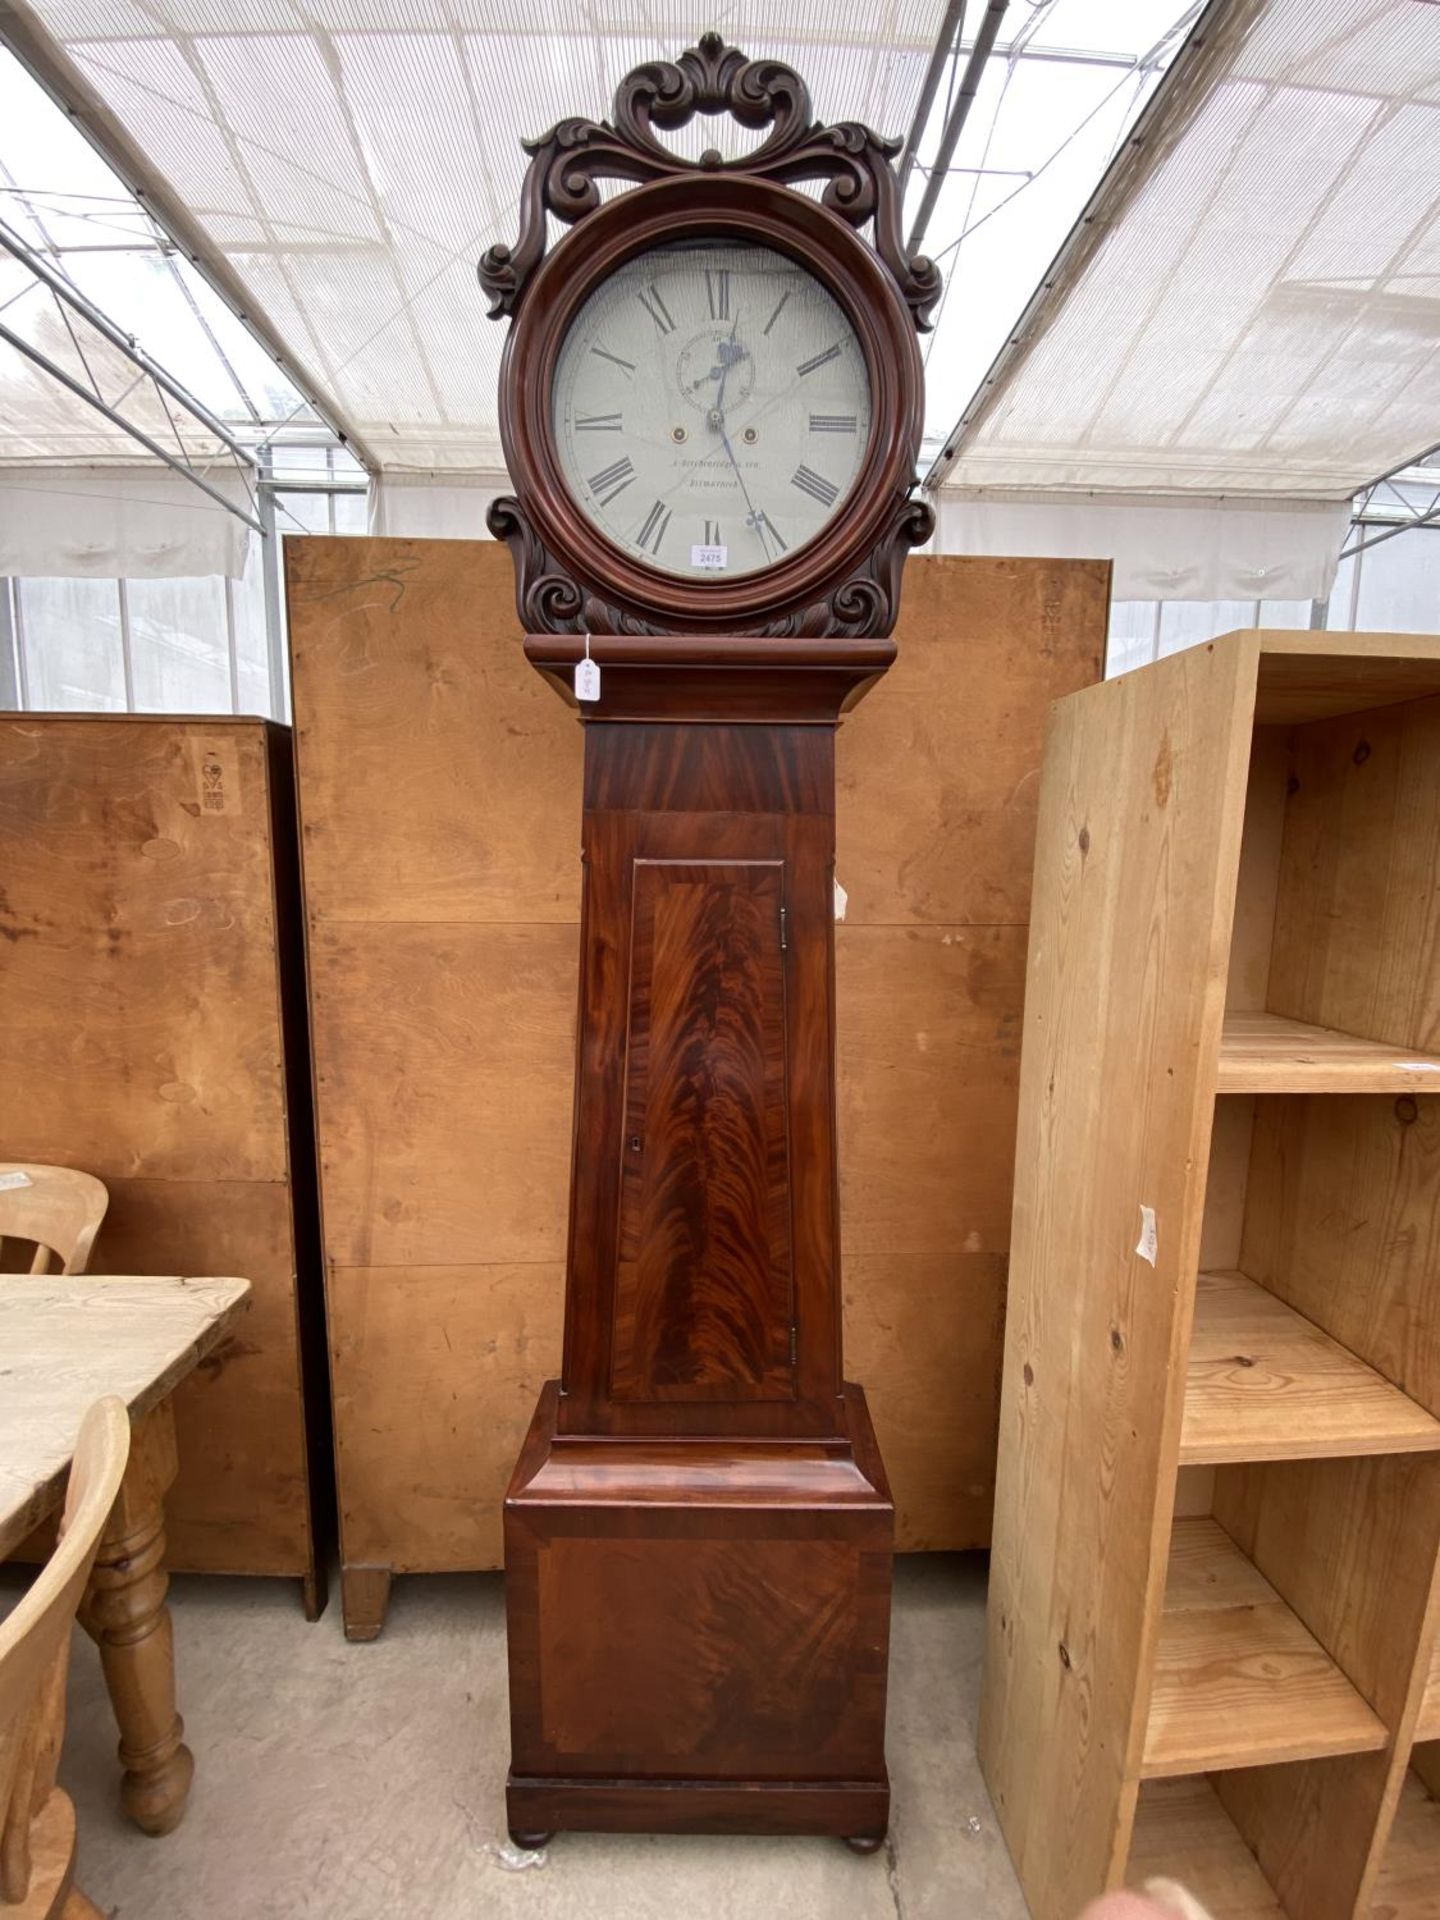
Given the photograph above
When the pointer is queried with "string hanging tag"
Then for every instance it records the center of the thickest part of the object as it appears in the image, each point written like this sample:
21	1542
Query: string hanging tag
587	676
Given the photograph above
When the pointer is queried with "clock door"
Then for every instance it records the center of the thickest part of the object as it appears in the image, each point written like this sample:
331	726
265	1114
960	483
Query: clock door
703	1296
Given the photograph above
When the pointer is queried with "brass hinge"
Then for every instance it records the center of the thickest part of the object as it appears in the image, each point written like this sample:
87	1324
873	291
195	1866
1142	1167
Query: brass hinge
793	1341
783	942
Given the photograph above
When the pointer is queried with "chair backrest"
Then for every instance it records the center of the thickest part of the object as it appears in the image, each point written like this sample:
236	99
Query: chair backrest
35	1641
57	1208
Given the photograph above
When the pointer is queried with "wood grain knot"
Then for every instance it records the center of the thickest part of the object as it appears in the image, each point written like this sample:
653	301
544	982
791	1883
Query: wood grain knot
1407	1109
1361	753
1065	1656
1028	1374
1084	840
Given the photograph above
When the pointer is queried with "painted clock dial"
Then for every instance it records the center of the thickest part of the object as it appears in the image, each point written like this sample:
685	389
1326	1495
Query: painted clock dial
711	408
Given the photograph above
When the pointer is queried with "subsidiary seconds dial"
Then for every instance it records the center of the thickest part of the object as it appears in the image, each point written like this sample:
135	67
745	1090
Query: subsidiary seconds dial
711	408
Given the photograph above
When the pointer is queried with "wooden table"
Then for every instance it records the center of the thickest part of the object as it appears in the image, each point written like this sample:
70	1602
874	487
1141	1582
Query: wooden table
65	1341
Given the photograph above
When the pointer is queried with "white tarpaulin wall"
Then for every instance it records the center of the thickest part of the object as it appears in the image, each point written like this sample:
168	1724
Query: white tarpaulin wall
138	523
1162	549
1256	307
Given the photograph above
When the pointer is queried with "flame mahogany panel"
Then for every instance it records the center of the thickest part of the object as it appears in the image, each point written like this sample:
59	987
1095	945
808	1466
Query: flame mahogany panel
703	1243
702	1286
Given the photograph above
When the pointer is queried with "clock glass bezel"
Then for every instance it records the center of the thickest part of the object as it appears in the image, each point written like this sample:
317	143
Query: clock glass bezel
698	244
580	574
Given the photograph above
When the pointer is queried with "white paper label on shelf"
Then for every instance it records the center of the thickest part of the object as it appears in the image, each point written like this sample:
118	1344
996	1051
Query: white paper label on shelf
842	901
14	1178
715	558
1146	1246
587	679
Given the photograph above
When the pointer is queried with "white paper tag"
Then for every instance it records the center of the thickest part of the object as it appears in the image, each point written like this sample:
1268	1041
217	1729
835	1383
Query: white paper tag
713	557
14	1178
1147	1245
587	679
842	901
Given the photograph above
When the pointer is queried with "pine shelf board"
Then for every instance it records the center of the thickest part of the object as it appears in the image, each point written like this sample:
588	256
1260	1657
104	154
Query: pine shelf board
1408	1886
1239	1680
1264	1383
1265	1053
1427	1727
1183	1833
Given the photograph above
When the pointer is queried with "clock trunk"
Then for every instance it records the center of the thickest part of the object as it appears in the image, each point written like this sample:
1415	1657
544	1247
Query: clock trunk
699	1531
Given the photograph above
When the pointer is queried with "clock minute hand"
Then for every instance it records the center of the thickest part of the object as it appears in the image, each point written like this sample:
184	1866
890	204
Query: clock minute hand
753	518
717	420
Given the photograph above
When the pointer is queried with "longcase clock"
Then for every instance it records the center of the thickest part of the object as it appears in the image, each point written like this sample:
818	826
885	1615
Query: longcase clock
710	403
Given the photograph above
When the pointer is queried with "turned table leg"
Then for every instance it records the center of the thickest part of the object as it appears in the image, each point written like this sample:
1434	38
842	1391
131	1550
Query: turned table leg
125	1614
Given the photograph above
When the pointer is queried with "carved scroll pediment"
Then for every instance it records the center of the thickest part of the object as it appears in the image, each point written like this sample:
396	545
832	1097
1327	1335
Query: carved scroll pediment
568	164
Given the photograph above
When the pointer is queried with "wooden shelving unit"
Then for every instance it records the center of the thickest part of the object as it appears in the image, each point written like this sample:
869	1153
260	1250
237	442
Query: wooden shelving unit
1183	1833
1427	1727
1265	1053
1215	1583
1238	1677
1264	1383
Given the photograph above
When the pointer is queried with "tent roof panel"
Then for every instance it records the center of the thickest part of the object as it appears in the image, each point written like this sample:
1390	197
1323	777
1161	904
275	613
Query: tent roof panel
1276	259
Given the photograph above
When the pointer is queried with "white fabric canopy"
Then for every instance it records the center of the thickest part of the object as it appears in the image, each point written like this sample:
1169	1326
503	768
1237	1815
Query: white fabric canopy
1161	549
1254	306
137	523
447	507
349	164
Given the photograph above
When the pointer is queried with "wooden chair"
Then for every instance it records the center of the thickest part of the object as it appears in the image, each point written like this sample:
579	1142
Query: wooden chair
37	1819
55	1207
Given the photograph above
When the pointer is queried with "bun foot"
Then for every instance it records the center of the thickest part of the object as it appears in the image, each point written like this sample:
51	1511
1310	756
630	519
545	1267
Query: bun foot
864	1842
530	1842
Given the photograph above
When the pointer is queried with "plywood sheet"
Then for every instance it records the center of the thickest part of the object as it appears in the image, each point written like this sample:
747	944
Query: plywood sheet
436	1373
938	770
241	1502
924	1333
444	1058
928	1047
440	804
143	1041
426	740
137	898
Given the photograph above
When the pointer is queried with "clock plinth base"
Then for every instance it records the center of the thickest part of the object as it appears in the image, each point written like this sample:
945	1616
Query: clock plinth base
699	1632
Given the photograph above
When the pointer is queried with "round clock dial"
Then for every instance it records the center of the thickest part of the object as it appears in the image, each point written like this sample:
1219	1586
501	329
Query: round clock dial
711	408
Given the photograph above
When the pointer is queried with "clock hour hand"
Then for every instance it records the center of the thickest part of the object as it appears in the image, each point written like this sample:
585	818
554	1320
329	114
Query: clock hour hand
730	352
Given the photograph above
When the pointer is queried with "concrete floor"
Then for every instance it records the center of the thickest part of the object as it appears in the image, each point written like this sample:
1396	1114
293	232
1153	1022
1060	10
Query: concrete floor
367	1781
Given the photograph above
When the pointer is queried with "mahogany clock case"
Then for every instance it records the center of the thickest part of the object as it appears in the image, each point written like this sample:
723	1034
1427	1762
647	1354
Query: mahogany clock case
699	1531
